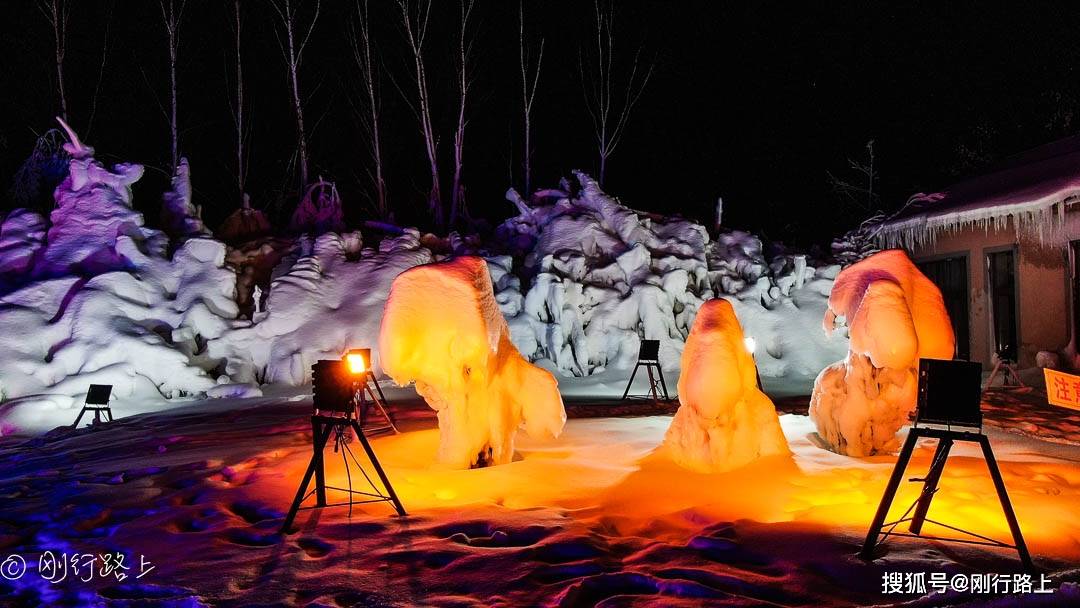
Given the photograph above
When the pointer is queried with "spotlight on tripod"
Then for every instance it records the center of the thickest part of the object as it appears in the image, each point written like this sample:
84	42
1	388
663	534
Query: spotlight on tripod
366	390
338	398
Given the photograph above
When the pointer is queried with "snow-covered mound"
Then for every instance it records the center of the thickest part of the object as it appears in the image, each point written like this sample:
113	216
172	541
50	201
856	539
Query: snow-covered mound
895	316
97	300
725	421
321	303
607	277
444	331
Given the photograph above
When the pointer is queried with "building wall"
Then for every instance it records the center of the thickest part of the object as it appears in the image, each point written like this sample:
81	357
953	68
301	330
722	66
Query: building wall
1042	284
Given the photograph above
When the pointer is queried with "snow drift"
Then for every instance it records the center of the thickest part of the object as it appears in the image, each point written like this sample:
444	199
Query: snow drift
443	330
604	277
326	298
724	421
895	316
96	298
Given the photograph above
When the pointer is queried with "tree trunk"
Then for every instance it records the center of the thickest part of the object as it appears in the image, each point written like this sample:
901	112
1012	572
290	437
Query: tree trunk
240	169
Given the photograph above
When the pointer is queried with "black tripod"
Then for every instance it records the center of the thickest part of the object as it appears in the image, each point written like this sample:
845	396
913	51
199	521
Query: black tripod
97	401
365	397
649	358
945	439
322	427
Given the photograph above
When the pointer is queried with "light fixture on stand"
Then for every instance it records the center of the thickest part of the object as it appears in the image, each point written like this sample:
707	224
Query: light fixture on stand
335	410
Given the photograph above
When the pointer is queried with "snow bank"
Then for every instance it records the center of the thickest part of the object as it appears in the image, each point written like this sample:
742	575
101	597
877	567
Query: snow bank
324	300
604	277
443	330
895	316
98	301
724	421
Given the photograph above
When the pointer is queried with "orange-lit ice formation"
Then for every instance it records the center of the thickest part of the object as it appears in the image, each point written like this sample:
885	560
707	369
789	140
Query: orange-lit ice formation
443	330
725	421
895	316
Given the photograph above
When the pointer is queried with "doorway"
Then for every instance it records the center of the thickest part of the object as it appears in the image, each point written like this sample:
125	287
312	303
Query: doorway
950	274
1001	289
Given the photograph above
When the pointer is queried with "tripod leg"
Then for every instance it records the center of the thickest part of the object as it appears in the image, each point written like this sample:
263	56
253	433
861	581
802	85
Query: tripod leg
663	385
652	383
1006	505
319	446
993	374
386	414
631	382
108	411
870	543
319	442
930	484
378	388
378	469
79	418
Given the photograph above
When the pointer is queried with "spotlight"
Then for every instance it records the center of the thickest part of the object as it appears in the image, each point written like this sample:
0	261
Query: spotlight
751	344
359	360
751	347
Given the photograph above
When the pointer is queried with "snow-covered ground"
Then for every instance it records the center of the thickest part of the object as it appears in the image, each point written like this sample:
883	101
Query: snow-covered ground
599	516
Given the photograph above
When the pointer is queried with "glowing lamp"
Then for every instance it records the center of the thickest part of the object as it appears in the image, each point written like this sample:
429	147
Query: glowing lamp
751	344
359	360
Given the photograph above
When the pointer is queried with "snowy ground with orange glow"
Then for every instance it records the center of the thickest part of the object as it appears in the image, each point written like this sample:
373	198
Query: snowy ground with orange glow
598	516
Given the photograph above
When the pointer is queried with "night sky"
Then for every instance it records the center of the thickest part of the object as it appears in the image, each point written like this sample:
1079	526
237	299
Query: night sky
754	102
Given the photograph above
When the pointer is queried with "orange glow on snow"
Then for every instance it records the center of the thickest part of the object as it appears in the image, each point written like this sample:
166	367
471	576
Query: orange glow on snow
609	472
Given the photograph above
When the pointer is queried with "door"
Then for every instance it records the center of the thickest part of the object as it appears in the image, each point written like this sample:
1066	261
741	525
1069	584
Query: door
951	277
1001	289
1074	281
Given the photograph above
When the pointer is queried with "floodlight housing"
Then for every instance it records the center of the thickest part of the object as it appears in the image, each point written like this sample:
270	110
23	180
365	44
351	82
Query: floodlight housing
332	386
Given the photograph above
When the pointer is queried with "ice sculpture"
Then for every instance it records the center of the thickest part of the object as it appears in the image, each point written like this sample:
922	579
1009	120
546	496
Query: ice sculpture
724	421
443	330
895	316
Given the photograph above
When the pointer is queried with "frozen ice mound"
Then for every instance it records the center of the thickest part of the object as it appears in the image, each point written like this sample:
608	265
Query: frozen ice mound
895	316
725	420
443	330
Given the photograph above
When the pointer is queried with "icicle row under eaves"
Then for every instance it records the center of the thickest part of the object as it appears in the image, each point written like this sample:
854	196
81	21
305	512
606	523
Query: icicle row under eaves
1043	222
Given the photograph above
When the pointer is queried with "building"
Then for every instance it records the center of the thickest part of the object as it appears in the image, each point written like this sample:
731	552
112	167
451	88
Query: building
1003	249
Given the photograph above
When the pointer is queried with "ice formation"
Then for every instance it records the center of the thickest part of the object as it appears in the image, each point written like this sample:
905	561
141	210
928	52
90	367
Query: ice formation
895	316
443	330
724	421
604	276
99	300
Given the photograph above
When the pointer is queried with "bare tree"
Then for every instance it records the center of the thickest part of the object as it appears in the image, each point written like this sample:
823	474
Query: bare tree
237	107
530	78
56	13
361	43
609	108
172	14
415	16
859	190
463	81
292	48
